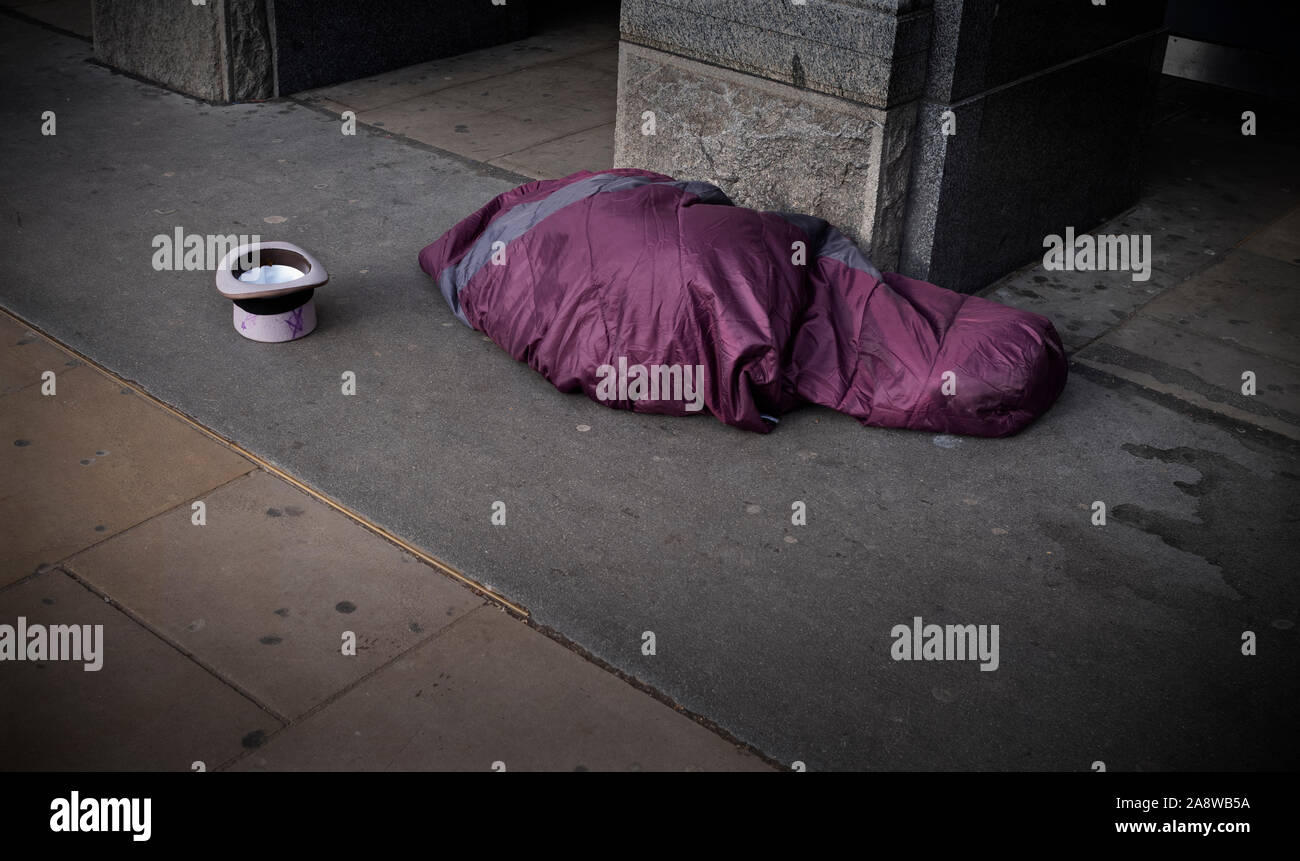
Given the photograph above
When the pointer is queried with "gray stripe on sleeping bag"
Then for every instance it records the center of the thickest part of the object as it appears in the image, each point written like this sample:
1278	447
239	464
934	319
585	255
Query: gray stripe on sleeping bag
518	220
828	241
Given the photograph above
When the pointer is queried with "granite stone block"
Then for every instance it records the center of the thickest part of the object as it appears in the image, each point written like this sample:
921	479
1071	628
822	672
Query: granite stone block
178	45
868	52
768	145
1026	161
981	44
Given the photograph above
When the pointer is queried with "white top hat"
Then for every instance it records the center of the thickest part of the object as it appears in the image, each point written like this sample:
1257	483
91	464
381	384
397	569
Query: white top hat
272	286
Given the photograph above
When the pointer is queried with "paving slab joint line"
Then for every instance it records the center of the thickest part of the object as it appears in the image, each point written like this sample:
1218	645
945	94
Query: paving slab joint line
543	143
1200	270
298	97
46	567
355	683
653	692
1196	413
1256	232
375	528
46	25
108	599
1213	262
284	720
1274	423
482	168
1239	346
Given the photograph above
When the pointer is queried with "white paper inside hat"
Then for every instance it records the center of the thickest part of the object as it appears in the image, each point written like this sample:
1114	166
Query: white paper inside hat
290	270
275	274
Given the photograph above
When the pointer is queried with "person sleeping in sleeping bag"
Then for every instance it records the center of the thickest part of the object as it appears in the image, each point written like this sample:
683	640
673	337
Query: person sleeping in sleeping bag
659	295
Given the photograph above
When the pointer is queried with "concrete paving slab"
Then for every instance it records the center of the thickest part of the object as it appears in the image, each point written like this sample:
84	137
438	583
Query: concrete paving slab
1202	371
592	149
1280	240
148	708
538	99
603	59
491	690
90	461
457	127
25	355
1247	299
543	116
265	591
1120	643
565	96
587	42
1197	340
1205	187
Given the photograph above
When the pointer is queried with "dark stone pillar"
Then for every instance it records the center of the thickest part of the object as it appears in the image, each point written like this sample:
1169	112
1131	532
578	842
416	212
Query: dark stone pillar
1048	102
838	108
238	50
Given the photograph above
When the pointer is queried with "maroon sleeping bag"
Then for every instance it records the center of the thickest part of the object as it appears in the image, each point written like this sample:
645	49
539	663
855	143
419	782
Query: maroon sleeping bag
660	296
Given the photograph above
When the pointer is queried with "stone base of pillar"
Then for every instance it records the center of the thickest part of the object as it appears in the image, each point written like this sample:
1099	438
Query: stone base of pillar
948	137
220	51
768	145
241	50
